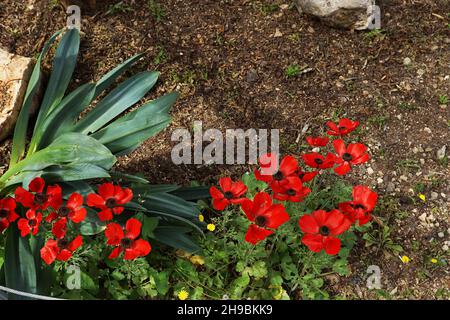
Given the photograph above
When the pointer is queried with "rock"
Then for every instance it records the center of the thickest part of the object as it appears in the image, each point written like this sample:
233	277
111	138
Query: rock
441	235
390	187
434	195
423	217
427	130
277	33
369	171
379	180
445	247
347	14
15	71
407	61
440	154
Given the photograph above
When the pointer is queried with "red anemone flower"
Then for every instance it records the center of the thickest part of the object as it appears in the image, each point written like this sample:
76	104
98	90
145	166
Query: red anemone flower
363	203
306	176
316	160
30	224
317	141
272	175
353	154
293	190
231	193
110	200
128	242
321	229
343	127
61	249
73	210
59	228
264	215
7	213
38	197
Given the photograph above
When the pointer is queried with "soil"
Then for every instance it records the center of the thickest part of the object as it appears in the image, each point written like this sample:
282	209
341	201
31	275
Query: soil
228	59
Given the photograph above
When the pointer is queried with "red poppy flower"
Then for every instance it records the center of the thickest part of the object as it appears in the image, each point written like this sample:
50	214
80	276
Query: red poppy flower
30	224
232	192
321	229
61	250
264	216
73	210
293	190
7	213
59	228
317	141
273	176
110	200
316	160
36	198
353	154
306	176
344	126
363	203
128	242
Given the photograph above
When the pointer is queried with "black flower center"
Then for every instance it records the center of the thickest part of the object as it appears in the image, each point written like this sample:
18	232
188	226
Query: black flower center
111	202
347	156
261	221
324	231
63	243
291	192
126	243
278	176
318	161
228	195
341	128
32	223
40	198
4	213
358	206
64	211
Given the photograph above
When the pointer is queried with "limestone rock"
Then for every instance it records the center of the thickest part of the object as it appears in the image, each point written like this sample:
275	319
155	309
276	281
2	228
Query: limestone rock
15	71
348	14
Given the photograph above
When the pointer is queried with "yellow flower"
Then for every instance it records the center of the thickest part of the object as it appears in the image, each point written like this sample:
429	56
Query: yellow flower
197	260
405	259
434	260
183	295
422	197
211	227
201	218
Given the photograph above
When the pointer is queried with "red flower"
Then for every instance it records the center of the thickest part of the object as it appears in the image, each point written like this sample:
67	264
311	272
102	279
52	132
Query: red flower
232	192
264	215
363	203
127	242
30	224
316	160
317	141
293	190
321	229
110	199
354	153
344	127
271	174
306	176
36	198
59	228
73	210
7	213
61	249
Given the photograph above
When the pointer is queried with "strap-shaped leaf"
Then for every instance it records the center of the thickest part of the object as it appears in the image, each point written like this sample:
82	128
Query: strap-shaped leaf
109	78
117	101
63	67
164	202
20	131
192	193
175	237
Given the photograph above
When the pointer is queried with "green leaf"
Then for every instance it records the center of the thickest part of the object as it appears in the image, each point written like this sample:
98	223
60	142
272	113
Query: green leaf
149	224
20	268
92	224
20	131
117	101
192	193
164	202
62	70
175	237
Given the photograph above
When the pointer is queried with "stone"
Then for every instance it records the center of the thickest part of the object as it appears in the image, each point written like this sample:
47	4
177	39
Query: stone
434	195
407	61
440	154
15	72
346	14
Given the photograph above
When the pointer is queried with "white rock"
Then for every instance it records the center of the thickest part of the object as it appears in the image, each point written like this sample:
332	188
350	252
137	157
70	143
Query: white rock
427	130
434	195
369	171
15	71
440	234
423	217
407	61
445	247
379	180
441	153
348	14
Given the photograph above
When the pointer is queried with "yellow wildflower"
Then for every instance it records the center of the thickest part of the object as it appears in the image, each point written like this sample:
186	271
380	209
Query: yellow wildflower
422	197
211	227
405	259
434	260
197	260
201	218
183	295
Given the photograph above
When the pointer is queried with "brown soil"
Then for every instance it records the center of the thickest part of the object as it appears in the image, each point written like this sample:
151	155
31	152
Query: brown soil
228	59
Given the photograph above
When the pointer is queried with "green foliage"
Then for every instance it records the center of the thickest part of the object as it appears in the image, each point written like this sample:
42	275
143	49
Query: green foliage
119	7
292	70
156	10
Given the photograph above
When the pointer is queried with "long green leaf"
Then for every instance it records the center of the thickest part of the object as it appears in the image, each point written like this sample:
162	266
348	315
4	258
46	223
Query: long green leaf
175	237
20	131
62	70
164	202
117	101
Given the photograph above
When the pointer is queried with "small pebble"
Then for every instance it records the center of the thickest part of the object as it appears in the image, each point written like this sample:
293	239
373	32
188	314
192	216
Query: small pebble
440	234
407	61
